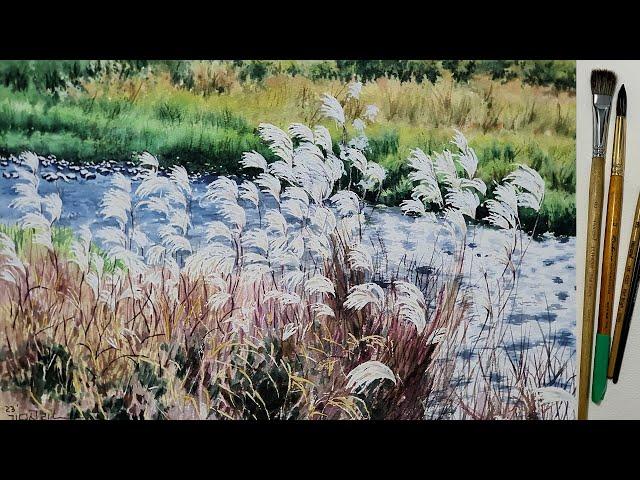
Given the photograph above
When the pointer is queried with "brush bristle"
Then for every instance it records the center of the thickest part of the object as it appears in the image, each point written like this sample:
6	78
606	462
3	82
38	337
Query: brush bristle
621	105
603	82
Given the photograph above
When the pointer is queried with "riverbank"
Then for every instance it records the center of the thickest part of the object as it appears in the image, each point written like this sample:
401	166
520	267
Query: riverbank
110	119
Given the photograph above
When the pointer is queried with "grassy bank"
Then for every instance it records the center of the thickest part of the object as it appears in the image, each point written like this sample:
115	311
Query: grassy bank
114	115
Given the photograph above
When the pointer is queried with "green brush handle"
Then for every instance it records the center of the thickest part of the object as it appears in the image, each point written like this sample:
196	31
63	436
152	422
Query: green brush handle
600	366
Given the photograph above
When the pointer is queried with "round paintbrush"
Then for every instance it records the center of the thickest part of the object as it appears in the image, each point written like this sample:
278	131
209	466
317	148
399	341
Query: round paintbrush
610	251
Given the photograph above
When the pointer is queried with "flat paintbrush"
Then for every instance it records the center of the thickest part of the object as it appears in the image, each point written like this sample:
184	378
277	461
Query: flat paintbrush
627	300
610	251
603	84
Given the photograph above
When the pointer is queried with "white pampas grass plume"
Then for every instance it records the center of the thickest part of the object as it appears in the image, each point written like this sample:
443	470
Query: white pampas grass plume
499	215
323	219
9	277
531	186
335	166
357	159
118	180
371	112
270	185
374	175
27	197
132	260
294	208
284	298
283	171
8	252
233	213
446	169
52	204
80	248
319	284
289	330
214	259
279	142
354	90
155	255
42	227
249	192
322	310
148	160
467	157
218	300
178	174
346	202
178	219
360	258
254	159
307	151
154	204
318	244
332	109
413	207
301	132
250	258
362	295
153	184
175	243
31	160
426	192
112	235
323	138
359	125
291	279
366	373
276	223
253	272
455	220
97	262
463	200
222	189
548	395
116	204
503	211
423	166
256	238
412	304
296	246
507	195
475	183
296	193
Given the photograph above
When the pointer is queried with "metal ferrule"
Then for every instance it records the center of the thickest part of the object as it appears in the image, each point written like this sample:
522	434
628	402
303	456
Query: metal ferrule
601	112
619	146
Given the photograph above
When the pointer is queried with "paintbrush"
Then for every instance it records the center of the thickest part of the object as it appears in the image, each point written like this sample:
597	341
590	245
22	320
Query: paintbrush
603	84
610	249
627	300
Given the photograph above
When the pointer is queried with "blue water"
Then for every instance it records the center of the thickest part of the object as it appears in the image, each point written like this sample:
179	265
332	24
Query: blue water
541	307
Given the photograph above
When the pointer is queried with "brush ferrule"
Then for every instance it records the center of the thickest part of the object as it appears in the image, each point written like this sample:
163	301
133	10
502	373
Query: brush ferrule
619	146
601	112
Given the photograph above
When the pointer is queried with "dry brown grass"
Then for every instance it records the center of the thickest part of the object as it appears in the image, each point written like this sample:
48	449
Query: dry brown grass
153	356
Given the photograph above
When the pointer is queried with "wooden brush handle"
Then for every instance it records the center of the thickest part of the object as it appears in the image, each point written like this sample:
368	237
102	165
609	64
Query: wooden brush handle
625	292
610	254
594	223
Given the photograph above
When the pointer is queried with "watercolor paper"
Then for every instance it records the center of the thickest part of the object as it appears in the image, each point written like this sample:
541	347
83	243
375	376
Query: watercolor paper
287	240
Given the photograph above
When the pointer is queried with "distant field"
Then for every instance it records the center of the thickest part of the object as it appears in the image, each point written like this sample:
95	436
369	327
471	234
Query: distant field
207	125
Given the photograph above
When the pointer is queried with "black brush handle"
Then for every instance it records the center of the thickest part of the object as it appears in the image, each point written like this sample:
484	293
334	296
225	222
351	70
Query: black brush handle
626	322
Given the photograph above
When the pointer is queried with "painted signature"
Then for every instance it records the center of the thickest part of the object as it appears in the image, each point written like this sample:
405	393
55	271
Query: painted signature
12	412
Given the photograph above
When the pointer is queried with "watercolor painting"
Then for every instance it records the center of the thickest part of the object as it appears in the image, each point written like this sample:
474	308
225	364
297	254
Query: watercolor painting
287	240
